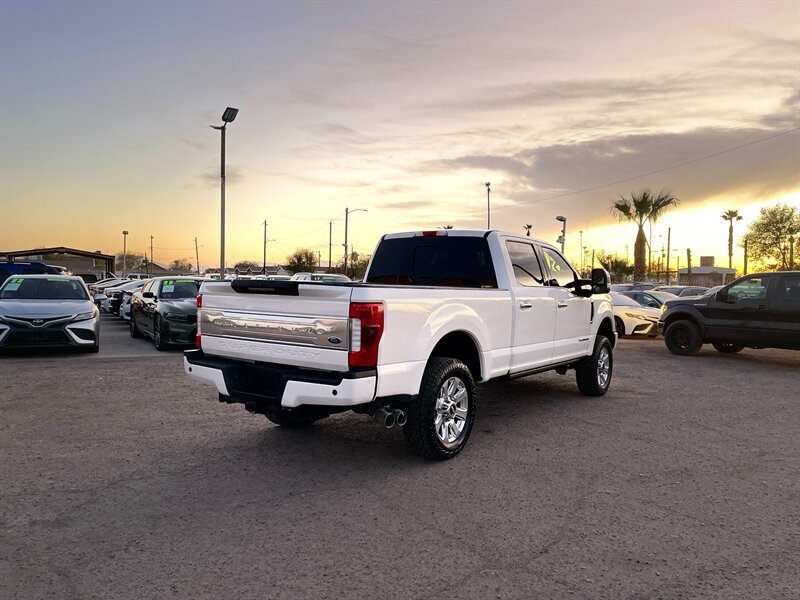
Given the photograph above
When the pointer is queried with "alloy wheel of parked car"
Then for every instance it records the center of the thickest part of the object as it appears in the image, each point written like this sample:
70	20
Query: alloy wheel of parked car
683	338
727	347
440	420
133	329
593	373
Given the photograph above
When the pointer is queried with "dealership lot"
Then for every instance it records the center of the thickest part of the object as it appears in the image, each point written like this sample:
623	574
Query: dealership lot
121	478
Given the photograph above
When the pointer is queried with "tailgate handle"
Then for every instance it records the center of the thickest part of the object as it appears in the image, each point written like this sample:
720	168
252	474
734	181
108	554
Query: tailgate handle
262	286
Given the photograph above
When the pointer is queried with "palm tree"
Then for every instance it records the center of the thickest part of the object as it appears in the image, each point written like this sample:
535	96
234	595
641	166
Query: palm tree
528	230
447	226
730	215
642	207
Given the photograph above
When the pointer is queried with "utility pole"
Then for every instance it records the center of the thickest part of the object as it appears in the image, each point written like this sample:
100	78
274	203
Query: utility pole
264	269
689	262
319	259
151	249
745	256
125	253
791	252
196	256
669	234
488	206
330	246
582	265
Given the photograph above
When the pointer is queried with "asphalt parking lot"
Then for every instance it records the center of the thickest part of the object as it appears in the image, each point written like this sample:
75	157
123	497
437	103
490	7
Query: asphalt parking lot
121	478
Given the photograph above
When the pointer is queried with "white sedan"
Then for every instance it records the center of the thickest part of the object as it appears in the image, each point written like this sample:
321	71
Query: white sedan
631	318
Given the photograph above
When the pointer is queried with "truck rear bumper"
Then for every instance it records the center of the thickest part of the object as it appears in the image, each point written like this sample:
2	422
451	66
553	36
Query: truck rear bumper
273	385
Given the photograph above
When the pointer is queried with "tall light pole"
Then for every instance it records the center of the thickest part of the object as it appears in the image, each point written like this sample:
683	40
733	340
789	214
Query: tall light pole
488	206
347	212
264	270
330	247
124	253
197	255
227	117
563	237
581	232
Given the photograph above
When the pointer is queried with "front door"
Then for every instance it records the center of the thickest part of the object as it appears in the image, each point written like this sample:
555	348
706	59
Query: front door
573	313
742	315
784	307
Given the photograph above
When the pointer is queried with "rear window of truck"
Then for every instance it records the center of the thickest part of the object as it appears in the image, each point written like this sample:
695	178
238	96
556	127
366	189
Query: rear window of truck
435	261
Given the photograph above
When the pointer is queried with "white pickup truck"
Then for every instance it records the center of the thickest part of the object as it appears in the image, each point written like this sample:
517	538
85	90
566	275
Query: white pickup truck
439	311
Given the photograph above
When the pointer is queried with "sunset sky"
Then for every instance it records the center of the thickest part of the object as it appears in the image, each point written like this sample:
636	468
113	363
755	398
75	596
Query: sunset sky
403	109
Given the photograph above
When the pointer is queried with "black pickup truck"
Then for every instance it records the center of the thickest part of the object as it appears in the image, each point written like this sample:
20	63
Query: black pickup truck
755	311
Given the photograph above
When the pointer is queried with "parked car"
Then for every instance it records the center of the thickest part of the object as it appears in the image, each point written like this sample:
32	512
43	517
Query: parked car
683	290
165	309
9	268
48	311
323	277
756	311
631	318
629	287
650	298
99	294
438	311
116	293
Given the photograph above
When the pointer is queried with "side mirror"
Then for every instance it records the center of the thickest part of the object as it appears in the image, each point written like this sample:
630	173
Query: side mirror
600	280
721	295
148	295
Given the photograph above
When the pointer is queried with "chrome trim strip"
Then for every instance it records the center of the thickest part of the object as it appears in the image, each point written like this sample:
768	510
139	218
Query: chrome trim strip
304	331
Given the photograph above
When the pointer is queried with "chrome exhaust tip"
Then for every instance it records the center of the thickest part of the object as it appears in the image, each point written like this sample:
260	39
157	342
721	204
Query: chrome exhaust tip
400	417
384	418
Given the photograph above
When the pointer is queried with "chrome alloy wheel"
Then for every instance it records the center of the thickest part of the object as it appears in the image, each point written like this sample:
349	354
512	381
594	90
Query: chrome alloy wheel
452	404
603	367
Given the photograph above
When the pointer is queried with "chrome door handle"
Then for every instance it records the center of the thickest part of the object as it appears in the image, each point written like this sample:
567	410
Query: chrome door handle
525	305
562	305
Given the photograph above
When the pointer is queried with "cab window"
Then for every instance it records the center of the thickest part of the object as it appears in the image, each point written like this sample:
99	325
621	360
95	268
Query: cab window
753	288
525	263
560	272
789	288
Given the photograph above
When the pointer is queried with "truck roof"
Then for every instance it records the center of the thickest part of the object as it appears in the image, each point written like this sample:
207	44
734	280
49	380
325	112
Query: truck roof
464	233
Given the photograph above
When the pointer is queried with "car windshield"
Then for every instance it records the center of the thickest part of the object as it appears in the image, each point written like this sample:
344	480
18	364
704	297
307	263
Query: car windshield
620	300
172	289
50	288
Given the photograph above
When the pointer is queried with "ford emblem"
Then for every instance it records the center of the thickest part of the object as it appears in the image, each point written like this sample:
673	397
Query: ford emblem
335	340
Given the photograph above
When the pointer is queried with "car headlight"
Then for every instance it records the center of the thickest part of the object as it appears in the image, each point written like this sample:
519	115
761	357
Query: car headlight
634	316
84	316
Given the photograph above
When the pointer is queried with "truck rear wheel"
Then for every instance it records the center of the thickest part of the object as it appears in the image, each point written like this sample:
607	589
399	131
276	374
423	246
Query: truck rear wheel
593	373
440	420
727	347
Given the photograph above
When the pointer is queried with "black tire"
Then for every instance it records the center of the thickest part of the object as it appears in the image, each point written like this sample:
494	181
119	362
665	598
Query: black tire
593	373
683	338
296	419
158	340
727	347
421	430
620	327
133	329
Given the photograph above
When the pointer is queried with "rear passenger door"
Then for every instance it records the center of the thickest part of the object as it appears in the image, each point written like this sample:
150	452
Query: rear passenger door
534	309
784	308
573	313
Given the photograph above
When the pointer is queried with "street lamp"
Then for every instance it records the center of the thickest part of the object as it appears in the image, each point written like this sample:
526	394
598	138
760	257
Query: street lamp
227	117
488	206
563	237
124	253
347	212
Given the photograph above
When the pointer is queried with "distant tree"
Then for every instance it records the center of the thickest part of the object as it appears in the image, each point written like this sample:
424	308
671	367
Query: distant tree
770	235
527	229
619	268
133	260
730	215
301	260
243	265
181	264
447	226
357	265
640	208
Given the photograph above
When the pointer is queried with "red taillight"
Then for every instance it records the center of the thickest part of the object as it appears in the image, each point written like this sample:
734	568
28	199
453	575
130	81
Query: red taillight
366	329
198	341
199	300
428	234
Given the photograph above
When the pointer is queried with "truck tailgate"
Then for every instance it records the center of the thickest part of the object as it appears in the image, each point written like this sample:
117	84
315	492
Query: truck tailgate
294	323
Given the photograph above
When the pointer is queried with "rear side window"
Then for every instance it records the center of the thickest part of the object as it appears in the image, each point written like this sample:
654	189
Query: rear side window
558	266
789	288
435	261
525	264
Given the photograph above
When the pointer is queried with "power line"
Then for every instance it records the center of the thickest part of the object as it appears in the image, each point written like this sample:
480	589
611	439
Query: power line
669	168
